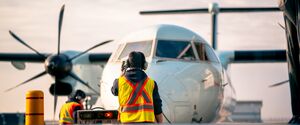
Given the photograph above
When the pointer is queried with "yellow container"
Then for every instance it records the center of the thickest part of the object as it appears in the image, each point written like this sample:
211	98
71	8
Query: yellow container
34	107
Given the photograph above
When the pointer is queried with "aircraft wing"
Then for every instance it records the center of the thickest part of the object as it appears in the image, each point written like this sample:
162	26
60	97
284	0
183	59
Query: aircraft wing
251	56
23	57
32	57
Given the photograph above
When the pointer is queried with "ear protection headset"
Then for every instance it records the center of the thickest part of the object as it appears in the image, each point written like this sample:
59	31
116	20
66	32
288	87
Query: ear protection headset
124	65
145	64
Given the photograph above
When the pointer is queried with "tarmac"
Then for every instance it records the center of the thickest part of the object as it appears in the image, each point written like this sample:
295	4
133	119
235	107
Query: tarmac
223	123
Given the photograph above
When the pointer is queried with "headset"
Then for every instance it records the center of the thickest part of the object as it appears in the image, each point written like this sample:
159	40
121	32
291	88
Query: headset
145	64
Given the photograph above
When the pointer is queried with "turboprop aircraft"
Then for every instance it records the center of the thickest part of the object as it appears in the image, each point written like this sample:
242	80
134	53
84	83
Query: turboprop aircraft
192	79
191	75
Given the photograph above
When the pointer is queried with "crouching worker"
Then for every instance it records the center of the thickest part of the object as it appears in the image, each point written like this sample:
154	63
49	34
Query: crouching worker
138	95
68	112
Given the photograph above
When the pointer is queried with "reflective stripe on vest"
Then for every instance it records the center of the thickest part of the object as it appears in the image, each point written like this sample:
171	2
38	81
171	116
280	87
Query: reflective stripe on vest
138	90
136	101
137	108
66	113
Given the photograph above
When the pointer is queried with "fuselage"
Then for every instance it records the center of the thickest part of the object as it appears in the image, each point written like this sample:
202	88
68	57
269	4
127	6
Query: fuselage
189	75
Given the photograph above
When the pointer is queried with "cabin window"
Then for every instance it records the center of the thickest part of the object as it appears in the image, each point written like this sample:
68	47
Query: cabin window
144	47
175	49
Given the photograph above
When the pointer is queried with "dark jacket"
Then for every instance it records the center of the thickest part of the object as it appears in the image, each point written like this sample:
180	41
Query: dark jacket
135	76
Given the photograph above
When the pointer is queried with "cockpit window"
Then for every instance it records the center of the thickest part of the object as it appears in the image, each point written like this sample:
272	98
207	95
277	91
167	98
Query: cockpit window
175	49
206	53
144	47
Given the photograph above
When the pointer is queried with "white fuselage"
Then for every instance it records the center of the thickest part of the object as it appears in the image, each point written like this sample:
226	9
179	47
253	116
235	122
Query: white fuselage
192	90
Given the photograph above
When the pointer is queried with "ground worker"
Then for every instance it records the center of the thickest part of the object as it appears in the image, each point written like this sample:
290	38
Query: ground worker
138	95
68	112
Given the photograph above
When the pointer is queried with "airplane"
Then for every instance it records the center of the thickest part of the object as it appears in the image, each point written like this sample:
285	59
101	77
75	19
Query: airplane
192	78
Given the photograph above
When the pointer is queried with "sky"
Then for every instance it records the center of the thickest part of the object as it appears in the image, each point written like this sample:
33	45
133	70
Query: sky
87	23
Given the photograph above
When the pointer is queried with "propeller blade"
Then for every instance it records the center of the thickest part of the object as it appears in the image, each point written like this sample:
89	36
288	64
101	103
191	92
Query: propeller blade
61	15
55	103
180	11
279	83
21	41
55	99
206	10
35	77
81	81
281	26
249	9
99	44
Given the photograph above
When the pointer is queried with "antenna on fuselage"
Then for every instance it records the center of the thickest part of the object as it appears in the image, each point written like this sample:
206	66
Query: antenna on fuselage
214	10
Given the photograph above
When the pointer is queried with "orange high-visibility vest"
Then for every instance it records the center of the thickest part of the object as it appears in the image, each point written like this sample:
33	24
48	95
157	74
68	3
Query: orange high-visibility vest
136	101
66	113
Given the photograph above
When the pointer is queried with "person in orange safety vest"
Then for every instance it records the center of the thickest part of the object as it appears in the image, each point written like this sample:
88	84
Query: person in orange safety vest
138	95
69	110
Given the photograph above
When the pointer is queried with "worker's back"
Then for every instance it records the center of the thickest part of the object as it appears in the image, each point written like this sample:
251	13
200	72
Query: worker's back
137	93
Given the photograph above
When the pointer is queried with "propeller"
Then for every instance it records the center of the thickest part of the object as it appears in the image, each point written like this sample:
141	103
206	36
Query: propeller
279	83
57	65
